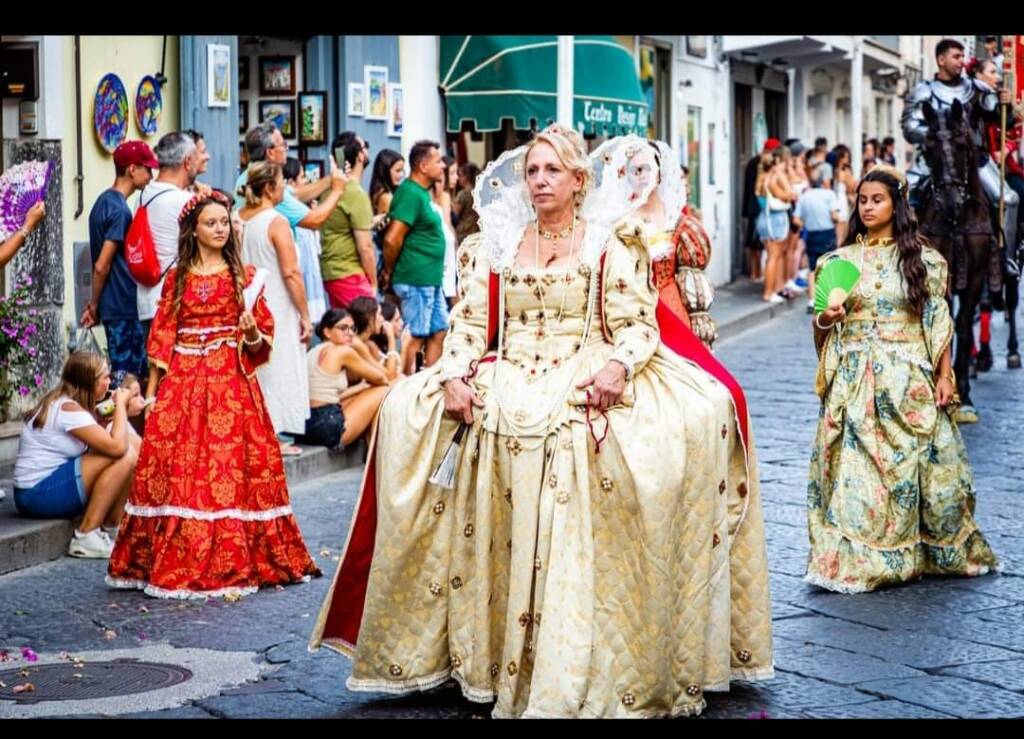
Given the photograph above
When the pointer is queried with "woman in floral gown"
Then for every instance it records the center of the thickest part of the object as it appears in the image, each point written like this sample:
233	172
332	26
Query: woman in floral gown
602	551
891	494
208	514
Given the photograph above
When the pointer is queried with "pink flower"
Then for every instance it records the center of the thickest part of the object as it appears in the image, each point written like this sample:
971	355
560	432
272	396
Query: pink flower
758	715
39	380
23	391
5	656
28	654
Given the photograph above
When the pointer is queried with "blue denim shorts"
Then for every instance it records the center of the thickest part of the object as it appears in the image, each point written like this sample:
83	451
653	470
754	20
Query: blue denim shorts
61	495
819	243
772	225
324	427
424	309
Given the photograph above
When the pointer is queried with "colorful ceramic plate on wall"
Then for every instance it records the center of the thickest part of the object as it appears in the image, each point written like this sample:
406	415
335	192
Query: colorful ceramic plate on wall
149	104
110	112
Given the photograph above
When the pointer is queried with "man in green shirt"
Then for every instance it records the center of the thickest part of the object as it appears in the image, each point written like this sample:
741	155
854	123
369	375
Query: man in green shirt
348	260
414	248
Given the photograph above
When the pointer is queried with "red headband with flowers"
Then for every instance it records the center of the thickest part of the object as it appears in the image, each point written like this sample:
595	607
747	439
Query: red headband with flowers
190	206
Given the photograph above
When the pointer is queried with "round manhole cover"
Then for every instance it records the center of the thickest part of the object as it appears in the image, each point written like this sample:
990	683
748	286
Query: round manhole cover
66	682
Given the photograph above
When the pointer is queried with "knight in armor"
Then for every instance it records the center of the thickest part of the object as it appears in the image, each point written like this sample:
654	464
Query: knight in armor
981	100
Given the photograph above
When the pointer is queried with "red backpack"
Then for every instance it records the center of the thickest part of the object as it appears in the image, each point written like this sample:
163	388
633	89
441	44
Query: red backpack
140	249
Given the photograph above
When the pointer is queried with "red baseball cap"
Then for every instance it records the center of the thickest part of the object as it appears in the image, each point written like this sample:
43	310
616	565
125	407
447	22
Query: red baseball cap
771	145
135	152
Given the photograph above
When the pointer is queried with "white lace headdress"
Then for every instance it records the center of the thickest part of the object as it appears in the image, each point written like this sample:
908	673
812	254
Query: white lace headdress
502	201
623	183
619	188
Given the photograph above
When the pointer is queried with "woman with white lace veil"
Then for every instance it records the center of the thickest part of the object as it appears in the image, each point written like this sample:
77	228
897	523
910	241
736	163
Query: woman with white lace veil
595	548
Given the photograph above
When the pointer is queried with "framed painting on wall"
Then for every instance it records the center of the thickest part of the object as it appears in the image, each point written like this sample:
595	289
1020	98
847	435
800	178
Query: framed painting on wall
356	99
218	72
314	169
396	110
243	116
277	75
281	113
375	80
243	73
312	118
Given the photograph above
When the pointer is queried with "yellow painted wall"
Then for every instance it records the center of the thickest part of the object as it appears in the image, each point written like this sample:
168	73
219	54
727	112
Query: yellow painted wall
130	58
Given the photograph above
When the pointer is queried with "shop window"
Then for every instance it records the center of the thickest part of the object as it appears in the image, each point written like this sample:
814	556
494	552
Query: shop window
655	81
693	154
697	46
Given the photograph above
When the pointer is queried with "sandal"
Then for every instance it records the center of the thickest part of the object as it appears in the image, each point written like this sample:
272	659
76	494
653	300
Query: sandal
290	450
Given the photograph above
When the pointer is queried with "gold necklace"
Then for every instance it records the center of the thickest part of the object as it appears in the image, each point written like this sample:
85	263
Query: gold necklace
875	245
554	236
200	272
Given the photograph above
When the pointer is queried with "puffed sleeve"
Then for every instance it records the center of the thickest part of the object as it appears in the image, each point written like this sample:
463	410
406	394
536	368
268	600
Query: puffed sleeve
467	335
935	318
163	331
629	300
253	360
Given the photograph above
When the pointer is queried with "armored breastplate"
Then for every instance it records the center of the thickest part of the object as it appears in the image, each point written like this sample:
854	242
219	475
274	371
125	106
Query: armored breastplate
943	95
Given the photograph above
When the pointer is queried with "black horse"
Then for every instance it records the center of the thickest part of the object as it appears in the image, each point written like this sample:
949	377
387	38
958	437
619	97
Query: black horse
954	214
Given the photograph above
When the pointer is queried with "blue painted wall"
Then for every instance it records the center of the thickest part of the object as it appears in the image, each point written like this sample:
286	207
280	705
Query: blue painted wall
219	126
318	61
355	52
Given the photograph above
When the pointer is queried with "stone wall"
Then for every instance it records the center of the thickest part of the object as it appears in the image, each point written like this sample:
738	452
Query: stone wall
42	258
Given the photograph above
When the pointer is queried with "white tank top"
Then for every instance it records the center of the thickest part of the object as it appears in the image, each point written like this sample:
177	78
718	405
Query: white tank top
323	386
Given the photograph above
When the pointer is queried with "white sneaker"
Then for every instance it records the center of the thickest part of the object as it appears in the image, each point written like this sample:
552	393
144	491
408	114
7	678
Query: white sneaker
793	287
94	545
111	532
776	299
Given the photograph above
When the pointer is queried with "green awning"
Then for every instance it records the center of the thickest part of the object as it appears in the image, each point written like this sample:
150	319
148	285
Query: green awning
489	78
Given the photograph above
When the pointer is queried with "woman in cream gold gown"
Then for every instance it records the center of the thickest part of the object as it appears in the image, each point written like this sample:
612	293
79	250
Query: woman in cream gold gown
602	552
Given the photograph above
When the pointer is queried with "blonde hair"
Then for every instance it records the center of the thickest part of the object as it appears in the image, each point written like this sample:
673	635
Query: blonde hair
569	148
261	174
78	382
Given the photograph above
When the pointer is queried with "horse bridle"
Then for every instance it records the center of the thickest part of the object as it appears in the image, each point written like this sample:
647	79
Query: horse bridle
945	138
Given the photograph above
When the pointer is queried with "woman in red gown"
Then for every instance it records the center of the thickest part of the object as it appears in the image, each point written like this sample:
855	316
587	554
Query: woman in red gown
208	514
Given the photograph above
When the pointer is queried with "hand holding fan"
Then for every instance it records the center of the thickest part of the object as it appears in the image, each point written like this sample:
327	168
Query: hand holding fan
21	187
834	284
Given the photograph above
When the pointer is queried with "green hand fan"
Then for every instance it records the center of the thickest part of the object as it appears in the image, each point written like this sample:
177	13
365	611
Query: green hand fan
834	283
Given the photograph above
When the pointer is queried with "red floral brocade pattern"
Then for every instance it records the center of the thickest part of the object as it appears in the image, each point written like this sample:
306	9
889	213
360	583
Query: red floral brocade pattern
664	275
208	513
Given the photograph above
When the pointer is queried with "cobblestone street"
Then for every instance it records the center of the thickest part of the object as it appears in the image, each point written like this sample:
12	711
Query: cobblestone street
939	648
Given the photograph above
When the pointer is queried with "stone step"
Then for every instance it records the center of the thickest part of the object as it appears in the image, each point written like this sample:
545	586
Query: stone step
25	542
